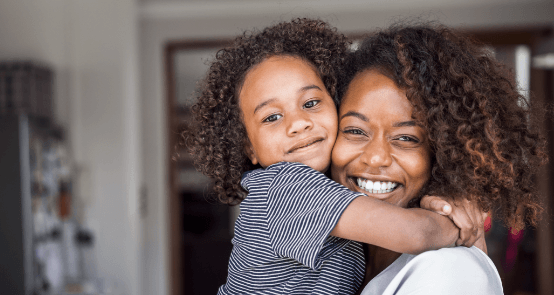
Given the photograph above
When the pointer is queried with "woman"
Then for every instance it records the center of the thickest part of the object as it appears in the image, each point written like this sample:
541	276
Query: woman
436	114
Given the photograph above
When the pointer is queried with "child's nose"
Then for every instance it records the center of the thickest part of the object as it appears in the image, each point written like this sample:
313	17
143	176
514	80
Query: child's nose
298	123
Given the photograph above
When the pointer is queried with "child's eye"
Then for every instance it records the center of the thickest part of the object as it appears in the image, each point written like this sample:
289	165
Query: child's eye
272	118
311	104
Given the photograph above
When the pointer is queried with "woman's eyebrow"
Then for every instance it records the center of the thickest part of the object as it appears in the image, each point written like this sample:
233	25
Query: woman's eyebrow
410	123
404	124
355	114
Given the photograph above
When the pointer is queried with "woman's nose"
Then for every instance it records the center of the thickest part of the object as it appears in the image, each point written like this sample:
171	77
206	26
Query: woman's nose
298	122
377	153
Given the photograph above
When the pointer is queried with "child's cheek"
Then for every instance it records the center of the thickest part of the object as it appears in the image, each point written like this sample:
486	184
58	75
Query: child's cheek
340	155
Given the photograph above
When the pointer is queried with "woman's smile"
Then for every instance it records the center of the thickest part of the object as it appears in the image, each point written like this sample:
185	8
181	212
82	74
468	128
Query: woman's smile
380	149
376	187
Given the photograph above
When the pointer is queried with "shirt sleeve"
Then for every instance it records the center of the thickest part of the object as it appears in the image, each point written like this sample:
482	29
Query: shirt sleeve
455	271
303	207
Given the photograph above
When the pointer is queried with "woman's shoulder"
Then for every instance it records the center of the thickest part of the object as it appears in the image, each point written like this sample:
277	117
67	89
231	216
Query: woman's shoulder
458	270
464	256
465	259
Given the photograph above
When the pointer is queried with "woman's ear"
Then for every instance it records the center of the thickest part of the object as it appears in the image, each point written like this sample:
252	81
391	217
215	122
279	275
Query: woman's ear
249	150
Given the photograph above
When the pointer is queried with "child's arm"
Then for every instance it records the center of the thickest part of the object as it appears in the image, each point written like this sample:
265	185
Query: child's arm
467	216
402	230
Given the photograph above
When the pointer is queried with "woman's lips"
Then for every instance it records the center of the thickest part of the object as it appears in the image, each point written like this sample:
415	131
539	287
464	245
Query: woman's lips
376	187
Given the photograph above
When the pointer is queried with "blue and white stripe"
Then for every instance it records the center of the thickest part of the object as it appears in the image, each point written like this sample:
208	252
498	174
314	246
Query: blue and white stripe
282	243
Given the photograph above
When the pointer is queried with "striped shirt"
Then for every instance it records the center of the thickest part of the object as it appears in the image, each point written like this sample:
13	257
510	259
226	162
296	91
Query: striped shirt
282	243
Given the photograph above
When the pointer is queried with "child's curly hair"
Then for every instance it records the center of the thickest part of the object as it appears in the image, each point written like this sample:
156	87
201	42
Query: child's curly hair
477	123
217	136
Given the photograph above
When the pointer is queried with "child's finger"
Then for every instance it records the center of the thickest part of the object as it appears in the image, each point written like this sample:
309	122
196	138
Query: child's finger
464	223
484	215
436	205
475	214
475	233
478	217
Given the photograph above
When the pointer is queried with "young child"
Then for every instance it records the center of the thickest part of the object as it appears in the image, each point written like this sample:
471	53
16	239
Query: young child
268	102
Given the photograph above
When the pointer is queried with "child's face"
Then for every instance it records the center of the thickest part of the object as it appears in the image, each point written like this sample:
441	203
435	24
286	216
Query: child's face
288	114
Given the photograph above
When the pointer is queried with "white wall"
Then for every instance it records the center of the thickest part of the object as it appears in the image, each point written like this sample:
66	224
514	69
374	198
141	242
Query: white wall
105	132
93	48
164	21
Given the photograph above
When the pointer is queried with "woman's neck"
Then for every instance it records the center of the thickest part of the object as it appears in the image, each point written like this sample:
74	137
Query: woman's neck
376	260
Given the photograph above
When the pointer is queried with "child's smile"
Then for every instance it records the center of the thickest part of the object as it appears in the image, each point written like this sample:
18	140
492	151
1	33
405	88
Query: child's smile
288	114
304	144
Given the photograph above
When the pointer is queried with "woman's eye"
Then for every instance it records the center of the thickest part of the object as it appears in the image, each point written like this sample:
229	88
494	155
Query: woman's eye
408	139
354	131
311	104
272	118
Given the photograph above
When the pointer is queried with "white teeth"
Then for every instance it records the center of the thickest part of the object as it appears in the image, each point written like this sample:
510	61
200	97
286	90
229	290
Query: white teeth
377	187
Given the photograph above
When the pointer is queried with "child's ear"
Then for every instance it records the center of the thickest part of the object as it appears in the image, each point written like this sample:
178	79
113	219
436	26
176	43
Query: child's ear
250	152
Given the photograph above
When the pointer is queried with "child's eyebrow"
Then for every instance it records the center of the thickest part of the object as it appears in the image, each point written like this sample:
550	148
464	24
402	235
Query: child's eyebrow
306	88
263	103
303	89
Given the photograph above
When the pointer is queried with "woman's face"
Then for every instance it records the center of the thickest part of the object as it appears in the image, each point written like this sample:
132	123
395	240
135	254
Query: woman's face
380	150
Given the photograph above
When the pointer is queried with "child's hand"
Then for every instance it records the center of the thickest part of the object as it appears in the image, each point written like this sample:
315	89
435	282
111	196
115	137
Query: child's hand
466	215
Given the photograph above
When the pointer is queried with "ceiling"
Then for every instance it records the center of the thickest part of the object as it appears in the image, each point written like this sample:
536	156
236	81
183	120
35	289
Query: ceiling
160	9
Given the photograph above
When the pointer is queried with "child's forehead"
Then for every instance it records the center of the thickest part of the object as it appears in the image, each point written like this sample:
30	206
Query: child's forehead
278	59
279	79
283	70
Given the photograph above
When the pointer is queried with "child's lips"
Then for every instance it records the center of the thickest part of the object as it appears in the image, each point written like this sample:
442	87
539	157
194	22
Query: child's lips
305	143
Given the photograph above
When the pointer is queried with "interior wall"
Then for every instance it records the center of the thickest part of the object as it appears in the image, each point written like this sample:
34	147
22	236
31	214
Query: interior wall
92	46
105	133
160	24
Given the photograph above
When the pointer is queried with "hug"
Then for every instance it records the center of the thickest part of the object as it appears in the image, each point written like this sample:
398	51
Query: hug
341	159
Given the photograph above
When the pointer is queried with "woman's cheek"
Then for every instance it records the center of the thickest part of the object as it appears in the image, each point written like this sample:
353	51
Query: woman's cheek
418	168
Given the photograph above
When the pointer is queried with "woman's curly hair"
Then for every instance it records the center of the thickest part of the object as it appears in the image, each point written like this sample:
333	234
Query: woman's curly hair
216	136
478	125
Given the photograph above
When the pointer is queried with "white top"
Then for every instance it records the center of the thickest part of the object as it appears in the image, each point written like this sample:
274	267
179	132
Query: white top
454	271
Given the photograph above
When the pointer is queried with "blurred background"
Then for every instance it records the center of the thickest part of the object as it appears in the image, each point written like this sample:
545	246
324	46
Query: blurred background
91	97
